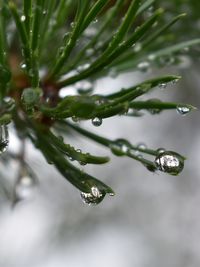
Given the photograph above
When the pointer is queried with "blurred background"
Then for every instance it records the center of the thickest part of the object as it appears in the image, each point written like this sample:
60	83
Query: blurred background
152	221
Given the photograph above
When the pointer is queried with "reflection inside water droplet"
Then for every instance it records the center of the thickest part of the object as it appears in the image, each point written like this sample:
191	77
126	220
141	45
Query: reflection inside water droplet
170	162
94	197
97	121
183	110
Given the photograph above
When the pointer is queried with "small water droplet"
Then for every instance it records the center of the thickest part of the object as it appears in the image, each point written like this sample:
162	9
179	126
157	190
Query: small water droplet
72	24
170	162
95	21
183	110
24	187
175	81
143	66
120	147
23	18
84	87
162	85
152	57
154	111
83	67
142	146
137	47
94	197
23	66
4	138
97	121
75	119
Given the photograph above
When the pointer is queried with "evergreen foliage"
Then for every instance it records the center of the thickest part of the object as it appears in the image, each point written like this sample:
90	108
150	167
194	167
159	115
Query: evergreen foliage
46	46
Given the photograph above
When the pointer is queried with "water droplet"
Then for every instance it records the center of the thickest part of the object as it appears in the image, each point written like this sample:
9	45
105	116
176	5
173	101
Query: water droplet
94	197
154	111
3	138
143	66
71	159
89	52
72	24
175	81
23	66
152	57
84	87
162	85
95	21
113	73
83	67
183	110
137	47
141	146
23	18
24	187
120	147
75	119
97	121
160	150
170	162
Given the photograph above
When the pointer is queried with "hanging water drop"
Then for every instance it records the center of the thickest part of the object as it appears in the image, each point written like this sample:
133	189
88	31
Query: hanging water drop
24	187
3	138
94	197
183	110
97	122
170	162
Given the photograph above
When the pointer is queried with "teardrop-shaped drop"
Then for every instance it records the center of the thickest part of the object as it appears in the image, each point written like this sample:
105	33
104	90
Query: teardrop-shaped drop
170	162
24	187
94	197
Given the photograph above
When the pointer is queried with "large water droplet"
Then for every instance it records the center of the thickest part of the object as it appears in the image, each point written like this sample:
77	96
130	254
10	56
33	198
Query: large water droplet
97	121
170	162
3	138
24	187
94	197
183	110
